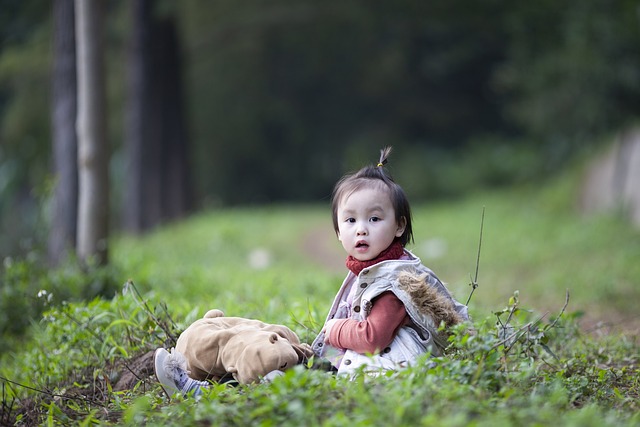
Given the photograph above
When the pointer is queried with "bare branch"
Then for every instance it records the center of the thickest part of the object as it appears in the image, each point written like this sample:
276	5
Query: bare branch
60	396
474	282
566	303
150	313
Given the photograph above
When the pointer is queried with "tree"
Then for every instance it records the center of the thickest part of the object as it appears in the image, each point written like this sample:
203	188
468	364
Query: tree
176	196
62	235
25	122
93	155
571	72
155	137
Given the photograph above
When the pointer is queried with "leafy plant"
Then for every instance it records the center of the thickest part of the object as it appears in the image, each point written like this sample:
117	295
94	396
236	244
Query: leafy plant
28	286
540	372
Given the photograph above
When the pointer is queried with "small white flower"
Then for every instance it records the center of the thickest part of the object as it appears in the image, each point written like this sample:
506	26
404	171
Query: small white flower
434	248
259	259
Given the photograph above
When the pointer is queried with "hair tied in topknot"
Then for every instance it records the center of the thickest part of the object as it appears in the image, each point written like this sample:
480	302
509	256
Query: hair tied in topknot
384	154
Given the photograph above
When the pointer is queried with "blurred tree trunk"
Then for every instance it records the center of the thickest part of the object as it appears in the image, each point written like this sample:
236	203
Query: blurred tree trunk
93	153
138	118
62	235
155	137
176	197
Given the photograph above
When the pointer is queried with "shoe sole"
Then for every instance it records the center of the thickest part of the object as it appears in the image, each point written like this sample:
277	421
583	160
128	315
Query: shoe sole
159	357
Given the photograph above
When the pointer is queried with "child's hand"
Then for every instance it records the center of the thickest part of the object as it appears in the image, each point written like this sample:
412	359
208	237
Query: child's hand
327	328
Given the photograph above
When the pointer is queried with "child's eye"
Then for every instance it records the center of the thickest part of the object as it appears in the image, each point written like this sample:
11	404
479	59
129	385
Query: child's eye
282	368
374	219
352	220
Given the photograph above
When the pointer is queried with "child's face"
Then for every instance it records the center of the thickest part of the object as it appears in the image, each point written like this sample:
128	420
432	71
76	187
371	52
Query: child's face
367	223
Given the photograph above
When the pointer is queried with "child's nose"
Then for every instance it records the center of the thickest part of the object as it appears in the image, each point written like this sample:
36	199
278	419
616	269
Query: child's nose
362	229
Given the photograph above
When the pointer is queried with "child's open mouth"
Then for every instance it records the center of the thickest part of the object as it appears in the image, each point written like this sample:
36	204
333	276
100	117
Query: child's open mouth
361	245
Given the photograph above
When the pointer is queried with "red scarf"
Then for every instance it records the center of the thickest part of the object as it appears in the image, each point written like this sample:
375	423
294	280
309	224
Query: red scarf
394	251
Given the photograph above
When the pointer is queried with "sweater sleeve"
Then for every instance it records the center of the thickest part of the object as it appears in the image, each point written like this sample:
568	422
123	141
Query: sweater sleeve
376	332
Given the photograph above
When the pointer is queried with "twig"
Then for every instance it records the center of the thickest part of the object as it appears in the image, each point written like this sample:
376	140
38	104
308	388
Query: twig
149	312
48	393
518	331
7	409
474	282
566	303
514	307
311	320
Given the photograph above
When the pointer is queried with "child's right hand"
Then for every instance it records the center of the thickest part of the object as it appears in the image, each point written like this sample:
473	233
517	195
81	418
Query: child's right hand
327	328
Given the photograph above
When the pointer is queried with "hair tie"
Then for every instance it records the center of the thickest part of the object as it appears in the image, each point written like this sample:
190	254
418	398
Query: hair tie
380	165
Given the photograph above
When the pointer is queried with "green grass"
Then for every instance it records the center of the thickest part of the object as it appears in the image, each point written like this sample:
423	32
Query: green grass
533	241
283	264
206	262
533	246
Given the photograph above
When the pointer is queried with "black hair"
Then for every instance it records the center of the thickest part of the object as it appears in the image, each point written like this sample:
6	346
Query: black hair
375	176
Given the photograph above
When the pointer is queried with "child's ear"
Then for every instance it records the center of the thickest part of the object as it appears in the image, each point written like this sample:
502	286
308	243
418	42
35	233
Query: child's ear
402	225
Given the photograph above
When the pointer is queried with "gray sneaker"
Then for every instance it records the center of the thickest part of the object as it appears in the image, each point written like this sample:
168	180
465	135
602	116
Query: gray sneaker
171	372
271	376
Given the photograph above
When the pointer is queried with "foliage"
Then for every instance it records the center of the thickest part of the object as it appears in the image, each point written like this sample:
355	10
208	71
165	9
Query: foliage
577	77
28	287
486	378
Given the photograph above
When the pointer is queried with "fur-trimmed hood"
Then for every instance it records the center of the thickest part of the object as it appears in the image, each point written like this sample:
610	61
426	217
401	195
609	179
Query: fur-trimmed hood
430	302
430	305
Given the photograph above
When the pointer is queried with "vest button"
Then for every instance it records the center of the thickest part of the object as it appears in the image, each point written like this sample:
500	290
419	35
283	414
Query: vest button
356	309
347	362
387	350
364	285
365	271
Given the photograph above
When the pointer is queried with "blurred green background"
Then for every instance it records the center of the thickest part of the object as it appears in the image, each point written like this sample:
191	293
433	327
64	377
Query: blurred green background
280	98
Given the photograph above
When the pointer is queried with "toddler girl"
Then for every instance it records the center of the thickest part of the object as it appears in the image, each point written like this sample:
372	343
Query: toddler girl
389	308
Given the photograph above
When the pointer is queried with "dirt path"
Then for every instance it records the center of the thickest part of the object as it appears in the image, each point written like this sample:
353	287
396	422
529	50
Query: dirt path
321	246
611	322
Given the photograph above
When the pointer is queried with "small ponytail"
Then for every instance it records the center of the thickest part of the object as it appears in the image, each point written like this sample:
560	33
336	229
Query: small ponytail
384	154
